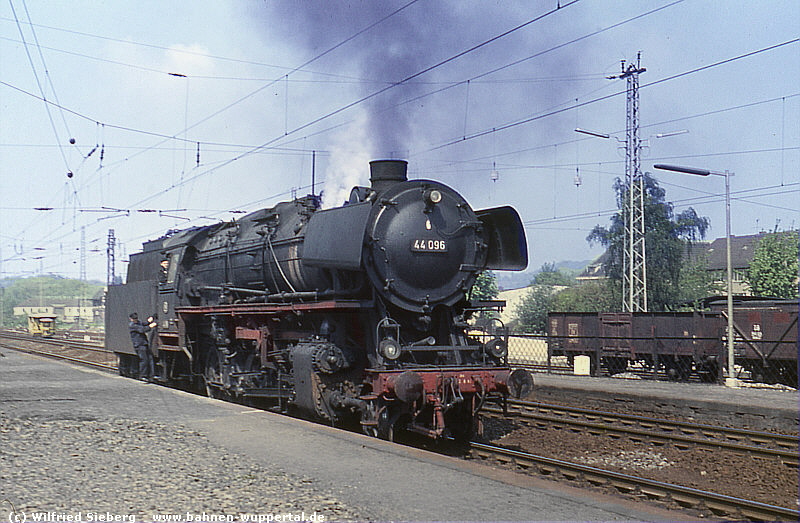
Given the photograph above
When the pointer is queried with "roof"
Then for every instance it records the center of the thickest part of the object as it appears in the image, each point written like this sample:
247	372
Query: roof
742	251
48	301
594	270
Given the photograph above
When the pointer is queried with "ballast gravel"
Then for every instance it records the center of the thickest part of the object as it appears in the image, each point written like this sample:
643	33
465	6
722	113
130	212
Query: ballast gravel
141	470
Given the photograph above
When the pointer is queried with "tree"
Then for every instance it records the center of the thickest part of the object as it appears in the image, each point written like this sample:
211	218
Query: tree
485	287
549	275
594	296
696	282
45	289
773	271
667	238
531	312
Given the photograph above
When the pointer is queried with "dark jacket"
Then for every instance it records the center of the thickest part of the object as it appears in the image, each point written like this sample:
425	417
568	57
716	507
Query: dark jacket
138	333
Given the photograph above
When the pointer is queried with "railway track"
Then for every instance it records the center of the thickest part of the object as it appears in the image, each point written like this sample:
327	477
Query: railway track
657	431
84	353
719	505
646	429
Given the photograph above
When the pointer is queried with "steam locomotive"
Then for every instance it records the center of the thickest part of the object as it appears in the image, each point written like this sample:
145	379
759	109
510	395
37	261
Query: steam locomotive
358	313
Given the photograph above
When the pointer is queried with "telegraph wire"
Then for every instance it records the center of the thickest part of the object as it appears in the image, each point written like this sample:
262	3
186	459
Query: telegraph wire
450	85
570	166
607	97
272	82
576	40
121	213
169	49
360	100
426	70
590	162
337	79
741	195
39	84
186	129
46	70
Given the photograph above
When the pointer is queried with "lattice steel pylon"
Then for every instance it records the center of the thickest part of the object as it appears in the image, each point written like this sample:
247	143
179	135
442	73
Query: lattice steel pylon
111	255
83	254
634	277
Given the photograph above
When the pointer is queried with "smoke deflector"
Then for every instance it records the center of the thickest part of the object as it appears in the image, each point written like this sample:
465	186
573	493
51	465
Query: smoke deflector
508	248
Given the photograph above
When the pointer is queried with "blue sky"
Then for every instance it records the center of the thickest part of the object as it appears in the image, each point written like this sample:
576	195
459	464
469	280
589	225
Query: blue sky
260	85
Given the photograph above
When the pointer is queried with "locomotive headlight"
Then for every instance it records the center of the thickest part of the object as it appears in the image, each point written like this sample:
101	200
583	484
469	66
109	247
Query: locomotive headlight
389	348
497	348
432	196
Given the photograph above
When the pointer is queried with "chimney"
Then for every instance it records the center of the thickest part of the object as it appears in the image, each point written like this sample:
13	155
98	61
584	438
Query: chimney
385	173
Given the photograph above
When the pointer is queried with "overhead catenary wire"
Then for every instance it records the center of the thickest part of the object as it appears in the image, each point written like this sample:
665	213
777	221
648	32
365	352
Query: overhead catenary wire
475	78
264	149
170	49
554	112
39	85
358	101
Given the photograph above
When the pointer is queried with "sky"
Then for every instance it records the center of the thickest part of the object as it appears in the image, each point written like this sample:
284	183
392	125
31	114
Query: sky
187	113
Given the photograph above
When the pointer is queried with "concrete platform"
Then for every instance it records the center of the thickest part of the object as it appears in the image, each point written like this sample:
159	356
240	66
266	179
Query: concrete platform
755	408
379	480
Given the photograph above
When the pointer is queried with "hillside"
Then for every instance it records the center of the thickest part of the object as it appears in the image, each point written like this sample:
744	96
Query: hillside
41	289
514	280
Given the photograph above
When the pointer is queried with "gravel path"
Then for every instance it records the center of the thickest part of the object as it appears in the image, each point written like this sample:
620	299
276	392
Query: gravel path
83	445
143	470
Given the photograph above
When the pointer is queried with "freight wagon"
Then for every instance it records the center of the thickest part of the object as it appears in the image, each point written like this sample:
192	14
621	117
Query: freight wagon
678	345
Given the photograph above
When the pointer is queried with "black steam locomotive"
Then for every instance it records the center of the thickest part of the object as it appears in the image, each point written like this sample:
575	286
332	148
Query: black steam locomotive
359	312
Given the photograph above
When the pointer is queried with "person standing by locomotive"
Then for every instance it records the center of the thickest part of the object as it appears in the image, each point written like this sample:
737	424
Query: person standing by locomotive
141	345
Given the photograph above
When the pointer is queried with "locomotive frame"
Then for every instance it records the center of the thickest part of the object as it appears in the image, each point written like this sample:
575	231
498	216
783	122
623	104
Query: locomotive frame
352	314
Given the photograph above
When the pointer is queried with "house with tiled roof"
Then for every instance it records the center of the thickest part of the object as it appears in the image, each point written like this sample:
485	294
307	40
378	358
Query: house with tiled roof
714	252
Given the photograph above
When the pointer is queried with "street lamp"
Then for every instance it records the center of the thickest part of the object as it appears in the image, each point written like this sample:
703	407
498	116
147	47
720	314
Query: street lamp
595	133
634	260
730	381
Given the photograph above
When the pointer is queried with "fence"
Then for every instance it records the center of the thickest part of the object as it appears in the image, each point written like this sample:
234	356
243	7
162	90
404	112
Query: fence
529	351
658	357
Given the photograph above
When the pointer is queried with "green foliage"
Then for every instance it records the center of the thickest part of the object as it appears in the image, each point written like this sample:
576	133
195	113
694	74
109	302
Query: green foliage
695	283
485	287
667	236
48	289
542	298
531	312
549	275
773	271
595	296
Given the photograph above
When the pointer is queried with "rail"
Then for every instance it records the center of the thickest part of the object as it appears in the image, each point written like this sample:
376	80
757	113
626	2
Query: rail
69	350
718	504
680	433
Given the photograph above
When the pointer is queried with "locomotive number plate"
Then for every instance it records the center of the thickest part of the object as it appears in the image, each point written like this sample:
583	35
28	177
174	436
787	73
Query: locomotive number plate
429	246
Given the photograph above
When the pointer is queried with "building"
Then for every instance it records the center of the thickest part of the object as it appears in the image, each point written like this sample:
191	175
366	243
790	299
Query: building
715	255
66	311
27	308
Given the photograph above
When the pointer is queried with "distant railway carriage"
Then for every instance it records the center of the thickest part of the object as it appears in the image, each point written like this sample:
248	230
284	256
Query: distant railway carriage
683	343
41	324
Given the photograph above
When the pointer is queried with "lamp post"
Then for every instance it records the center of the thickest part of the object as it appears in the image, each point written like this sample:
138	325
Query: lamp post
731	380
634	259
